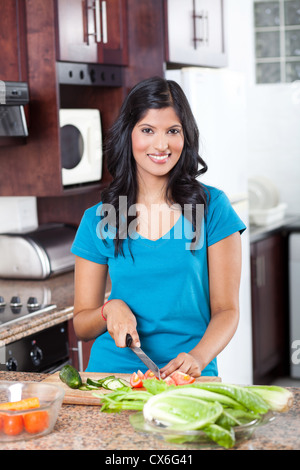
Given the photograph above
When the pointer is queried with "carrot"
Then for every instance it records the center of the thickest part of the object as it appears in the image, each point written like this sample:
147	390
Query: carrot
25	404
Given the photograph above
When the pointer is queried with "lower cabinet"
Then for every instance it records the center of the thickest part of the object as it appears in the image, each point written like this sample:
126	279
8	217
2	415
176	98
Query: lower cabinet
270	310
79	351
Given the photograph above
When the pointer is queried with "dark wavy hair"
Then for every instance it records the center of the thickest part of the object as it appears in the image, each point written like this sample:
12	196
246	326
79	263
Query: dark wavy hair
183	186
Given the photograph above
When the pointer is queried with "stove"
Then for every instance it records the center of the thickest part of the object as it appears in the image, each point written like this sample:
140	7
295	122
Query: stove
45	351
15	310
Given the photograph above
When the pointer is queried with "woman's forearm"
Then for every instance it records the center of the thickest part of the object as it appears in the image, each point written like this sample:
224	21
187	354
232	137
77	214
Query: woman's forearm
88	324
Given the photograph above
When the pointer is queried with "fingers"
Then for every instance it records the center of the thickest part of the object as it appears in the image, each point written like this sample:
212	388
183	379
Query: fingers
184	363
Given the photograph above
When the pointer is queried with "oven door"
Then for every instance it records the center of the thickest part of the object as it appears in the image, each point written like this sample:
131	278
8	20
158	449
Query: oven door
45	351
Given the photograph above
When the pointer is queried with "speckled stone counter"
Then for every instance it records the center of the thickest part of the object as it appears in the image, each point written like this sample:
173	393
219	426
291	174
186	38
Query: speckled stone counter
85	428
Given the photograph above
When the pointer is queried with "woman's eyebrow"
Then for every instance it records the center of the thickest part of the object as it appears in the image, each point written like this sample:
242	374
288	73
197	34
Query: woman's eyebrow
151	125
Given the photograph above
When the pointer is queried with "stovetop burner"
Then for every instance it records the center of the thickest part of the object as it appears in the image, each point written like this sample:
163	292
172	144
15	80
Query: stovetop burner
16	309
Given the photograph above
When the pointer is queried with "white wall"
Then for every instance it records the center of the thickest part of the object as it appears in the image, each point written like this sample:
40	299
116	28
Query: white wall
273	130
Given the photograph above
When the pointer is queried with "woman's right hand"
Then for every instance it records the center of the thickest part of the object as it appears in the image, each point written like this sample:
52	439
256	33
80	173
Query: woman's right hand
120	321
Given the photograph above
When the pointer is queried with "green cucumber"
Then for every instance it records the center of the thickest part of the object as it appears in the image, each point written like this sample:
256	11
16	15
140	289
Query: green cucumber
70	376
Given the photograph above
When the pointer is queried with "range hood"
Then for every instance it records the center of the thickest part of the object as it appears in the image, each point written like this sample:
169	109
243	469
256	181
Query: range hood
13	97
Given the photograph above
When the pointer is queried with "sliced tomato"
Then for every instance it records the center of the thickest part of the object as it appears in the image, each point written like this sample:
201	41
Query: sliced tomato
169	380
180	378
136	381
150	375
140	374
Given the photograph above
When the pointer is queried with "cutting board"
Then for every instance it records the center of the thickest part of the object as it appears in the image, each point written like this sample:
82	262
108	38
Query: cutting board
81	397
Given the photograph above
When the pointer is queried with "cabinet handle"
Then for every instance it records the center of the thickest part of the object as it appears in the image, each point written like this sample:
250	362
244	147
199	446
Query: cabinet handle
202	36
98	22
260	271
206	28
104	22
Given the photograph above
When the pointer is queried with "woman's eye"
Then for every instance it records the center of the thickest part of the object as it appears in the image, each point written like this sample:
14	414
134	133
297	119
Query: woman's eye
146	130
174	131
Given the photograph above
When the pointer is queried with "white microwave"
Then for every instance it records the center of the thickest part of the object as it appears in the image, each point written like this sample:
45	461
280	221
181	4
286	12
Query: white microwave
81	145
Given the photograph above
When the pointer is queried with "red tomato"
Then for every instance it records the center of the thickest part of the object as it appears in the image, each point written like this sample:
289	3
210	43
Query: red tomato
150	375
136	381
1	422
140	374
37	421
12	424
169	380
180	378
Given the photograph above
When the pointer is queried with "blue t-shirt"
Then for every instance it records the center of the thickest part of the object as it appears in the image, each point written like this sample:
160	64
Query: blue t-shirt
165	285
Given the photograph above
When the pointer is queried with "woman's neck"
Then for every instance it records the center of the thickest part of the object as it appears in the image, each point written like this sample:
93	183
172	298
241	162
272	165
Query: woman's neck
152	192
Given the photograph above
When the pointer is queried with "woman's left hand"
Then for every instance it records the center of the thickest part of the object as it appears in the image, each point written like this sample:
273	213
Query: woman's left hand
184	362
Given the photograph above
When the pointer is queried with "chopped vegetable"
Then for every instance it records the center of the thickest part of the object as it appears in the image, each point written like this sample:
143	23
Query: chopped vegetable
24	404
109	383
169	380
150	375
136	381
181	378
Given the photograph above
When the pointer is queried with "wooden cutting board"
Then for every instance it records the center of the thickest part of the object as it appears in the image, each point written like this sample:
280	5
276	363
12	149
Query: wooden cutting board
80	397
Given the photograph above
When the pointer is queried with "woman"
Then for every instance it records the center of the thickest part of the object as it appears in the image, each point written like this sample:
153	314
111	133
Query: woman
175	275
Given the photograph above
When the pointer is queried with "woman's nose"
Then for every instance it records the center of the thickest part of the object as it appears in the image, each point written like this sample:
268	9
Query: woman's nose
161	142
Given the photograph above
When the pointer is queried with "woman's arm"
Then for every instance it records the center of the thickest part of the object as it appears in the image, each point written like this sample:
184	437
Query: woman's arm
90	283
224	265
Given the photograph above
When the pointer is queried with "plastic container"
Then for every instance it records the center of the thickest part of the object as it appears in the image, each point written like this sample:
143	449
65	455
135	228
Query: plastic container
16	425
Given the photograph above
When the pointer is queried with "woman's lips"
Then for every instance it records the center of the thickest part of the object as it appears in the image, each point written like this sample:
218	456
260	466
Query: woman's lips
159	158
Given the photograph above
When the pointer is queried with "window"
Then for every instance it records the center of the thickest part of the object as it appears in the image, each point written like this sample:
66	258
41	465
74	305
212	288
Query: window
277	40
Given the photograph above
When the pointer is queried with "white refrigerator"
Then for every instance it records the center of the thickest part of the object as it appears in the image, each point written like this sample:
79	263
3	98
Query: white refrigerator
217	99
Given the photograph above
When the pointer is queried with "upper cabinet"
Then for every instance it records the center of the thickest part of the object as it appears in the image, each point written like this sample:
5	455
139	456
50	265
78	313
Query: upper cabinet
195	32
13	56
92	31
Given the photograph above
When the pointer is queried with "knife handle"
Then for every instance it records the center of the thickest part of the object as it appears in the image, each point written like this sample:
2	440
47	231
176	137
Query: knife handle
128	340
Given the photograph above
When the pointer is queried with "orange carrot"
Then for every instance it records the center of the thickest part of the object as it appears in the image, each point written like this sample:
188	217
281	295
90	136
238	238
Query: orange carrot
25	404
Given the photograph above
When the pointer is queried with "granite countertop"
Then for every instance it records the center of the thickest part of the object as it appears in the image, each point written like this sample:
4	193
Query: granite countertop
58	290
288	223
80	427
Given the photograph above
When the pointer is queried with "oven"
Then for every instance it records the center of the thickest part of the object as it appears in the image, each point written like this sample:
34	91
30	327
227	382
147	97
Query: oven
44	351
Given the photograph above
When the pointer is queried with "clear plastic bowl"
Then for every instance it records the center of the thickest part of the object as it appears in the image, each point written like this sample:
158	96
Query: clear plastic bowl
31	423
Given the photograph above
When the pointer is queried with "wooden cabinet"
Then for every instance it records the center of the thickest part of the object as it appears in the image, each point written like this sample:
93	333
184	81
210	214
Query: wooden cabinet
13	52
92	31
196	32
269	269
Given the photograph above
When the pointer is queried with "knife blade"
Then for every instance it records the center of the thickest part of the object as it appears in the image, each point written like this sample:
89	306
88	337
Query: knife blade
142	356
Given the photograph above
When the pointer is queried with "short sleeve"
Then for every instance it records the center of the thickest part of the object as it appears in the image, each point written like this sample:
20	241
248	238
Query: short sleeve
86	244
222	220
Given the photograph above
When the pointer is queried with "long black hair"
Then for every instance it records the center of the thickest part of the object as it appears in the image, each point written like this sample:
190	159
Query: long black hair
183	186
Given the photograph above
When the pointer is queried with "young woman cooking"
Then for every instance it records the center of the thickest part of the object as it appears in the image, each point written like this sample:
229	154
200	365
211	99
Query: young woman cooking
171	245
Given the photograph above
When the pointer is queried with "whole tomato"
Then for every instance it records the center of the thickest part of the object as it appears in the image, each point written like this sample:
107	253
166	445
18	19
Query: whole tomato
36	421
12	424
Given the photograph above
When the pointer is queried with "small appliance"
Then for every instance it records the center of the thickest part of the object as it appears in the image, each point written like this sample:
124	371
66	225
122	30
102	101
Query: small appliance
81	145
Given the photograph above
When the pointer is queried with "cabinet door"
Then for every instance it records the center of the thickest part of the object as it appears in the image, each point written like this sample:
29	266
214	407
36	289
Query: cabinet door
269	307
91	31
13	65
196	32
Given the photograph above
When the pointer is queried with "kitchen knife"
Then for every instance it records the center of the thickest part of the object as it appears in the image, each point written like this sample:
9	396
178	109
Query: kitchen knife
142	356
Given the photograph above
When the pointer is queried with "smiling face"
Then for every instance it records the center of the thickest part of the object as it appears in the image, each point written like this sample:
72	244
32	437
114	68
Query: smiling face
157	143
